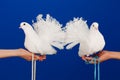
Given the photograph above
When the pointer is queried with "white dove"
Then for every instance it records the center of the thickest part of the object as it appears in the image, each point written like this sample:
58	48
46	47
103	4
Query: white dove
34	43
91	40
46	33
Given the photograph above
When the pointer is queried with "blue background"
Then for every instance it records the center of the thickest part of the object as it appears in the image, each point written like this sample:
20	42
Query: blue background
66	65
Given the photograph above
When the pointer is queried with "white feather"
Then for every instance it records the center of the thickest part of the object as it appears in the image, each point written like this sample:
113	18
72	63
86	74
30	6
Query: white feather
76	31
71	45
91	40
50	30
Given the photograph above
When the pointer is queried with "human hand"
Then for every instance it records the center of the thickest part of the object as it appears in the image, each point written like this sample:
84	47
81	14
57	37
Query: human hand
103	56
28	55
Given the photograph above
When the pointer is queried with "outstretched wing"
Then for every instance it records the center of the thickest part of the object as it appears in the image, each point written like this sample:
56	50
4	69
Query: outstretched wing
49	29
76	32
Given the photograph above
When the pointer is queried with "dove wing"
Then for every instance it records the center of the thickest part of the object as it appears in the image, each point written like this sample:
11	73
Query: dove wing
49	29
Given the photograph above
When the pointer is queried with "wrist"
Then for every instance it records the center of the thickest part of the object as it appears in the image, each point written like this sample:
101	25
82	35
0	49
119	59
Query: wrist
108	54
113	55
20	52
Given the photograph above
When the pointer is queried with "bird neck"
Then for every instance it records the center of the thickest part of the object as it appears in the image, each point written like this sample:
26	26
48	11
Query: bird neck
93	30
29	31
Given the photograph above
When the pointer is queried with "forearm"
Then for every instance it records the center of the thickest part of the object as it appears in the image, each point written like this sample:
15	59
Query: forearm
9	53
114	55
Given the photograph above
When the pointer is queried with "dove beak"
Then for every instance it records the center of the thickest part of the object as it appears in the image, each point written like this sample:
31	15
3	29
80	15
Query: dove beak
20	27
96	28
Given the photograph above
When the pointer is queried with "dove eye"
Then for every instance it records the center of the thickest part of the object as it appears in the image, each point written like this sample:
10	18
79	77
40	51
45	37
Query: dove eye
24	24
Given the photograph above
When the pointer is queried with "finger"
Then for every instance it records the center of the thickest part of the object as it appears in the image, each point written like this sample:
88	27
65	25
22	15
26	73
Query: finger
93	62
83	57
36	57
44	56
41	58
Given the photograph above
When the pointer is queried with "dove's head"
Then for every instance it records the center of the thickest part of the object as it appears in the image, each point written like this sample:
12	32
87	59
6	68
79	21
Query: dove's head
94	26
25	25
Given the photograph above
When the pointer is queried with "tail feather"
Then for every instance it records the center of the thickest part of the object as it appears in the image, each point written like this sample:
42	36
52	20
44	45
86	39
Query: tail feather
76	30
58	45
71	45
50	30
